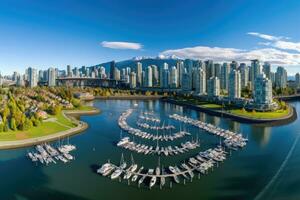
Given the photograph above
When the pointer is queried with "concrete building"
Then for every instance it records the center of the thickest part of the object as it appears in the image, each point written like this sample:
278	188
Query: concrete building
138	71
132	80
69	71
161	72
186	81
51	77
225	69
234	89
174	77
281	77
117	74
256	70
180	69
149	76
213	89
200	82
155	75
297	80
32	77
267	70
112	70
262	92
244	69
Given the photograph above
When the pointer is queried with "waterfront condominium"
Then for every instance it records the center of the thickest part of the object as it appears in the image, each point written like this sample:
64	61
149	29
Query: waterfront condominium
256	70
234	88
213	89
138	71
262	91
51	77
132	80
149	76
225	69
200	81
281	78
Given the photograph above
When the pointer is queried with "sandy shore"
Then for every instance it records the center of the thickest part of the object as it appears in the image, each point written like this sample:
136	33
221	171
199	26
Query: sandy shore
81	126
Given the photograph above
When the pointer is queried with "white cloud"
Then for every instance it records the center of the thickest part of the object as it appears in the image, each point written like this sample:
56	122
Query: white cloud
277	41
267	37
219	54
122	45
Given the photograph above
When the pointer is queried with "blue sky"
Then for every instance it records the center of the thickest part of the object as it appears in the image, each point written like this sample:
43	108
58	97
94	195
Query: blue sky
54	33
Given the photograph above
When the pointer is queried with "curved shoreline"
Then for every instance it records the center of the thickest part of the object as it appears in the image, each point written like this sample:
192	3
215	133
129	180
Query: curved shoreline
273	121
81	126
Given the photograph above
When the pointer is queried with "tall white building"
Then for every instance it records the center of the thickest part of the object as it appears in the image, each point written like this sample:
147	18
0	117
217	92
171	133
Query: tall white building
234	89
32	77
149	76
256	70
262	91
200	82
51	77
174	77
139	76
225	69
213	88
117	74
281	77
132	80
102	73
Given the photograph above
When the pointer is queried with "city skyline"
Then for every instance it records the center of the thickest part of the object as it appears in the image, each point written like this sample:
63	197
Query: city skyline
62	34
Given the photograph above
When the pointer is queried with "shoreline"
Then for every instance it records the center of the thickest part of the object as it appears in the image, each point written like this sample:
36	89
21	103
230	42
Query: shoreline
81	126
270	121
130	97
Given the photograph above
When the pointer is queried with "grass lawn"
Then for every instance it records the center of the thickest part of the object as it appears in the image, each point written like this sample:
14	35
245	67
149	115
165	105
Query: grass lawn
210	105
86	108
260	115
46	128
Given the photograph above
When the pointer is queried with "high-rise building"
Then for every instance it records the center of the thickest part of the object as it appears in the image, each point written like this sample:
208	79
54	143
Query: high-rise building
180	69
138	70
20	81
112	70
244	69
234	89
200	81
173	77
267	70
69	71
217	67
297	80
117	74
32	77
256	70
149	75
132	80
210	69
262	91
102	73
165	78
161	72
281	77
186	81
213	89
225	69
234	65
51	77
155	75
1	80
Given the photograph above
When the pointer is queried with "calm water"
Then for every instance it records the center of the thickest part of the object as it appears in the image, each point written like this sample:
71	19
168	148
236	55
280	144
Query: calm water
268	168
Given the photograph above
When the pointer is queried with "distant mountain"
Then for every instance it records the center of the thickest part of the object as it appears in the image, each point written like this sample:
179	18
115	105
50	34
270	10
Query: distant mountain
146	61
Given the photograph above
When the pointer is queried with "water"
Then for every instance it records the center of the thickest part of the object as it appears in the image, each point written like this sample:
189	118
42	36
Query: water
268	168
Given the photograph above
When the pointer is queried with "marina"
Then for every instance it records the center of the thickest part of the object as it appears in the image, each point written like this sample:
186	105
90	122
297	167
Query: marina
186	170
201	164
47	154
126	143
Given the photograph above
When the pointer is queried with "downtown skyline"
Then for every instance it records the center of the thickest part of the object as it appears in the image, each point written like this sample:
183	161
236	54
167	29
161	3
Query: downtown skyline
59	34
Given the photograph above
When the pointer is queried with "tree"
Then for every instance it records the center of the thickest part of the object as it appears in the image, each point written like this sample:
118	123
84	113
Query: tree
1	127
27	124
13	125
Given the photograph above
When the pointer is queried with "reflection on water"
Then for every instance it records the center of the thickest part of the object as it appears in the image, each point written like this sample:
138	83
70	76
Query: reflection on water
261	135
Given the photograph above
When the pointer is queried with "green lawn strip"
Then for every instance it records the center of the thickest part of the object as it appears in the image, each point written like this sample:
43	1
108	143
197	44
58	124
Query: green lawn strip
261	115
46	128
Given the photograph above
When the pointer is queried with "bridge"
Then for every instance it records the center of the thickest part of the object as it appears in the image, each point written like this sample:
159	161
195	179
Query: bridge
88	82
